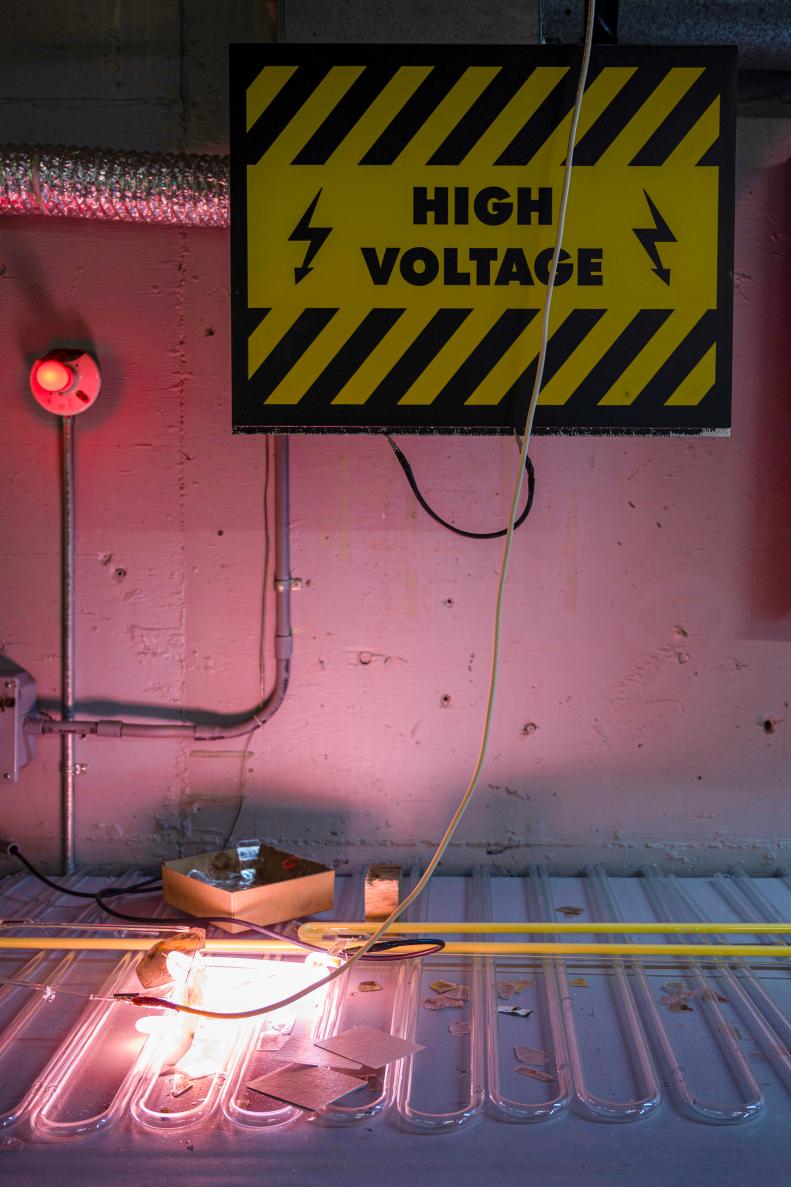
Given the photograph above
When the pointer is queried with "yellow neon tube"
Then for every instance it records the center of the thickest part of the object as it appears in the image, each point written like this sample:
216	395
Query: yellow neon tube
316	932
461	948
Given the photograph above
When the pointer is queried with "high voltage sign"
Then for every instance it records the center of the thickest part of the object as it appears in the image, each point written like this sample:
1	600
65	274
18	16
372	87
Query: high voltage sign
394	212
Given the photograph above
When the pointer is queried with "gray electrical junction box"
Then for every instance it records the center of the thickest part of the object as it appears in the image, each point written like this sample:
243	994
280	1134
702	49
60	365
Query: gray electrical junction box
17	701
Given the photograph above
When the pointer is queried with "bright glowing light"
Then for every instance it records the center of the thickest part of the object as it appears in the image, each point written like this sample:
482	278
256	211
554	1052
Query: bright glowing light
157	1024
178	965
53	375
198	1047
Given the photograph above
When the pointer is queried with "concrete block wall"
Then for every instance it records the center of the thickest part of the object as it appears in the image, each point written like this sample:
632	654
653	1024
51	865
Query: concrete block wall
643	707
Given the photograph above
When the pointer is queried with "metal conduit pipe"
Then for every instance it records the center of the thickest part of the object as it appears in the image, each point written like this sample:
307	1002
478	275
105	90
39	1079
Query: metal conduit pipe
283	649
68	555
137	187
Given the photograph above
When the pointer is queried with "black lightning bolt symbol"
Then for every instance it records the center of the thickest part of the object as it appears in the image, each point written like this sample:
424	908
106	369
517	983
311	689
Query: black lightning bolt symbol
650	236
313	236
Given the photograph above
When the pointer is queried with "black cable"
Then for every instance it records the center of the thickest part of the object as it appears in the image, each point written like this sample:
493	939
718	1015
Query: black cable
138	888
410	477
381	950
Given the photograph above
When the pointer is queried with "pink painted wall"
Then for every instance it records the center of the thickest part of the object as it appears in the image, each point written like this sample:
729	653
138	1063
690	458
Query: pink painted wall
648	618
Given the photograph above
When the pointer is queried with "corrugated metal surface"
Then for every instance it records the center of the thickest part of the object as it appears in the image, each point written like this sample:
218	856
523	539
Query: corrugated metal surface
80	1086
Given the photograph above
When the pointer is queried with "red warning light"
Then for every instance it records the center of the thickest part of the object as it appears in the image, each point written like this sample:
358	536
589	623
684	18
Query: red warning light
65	380
53	376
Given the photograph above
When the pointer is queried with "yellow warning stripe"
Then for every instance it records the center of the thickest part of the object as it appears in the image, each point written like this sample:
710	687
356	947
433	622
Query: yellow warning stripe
580	362
382	360
311	115
397	92
504	374
697	141
642	369
598	98
315	358
445	115
444	365
653	112
266	336
524	104
698	383
263	89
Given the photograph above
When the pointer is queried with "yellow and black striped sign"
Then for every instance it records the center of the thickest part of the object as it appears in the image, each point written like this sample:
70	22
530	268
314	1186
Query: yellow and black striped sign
394	211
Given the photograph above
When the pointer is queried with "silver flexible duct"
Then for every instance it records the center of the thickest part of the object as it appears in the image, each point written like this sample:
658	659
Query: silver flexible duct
117	186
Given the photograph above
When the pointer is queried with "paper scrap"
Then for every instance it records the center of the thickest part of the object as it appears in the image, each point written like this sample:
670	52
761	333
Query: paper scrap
444	1002
303	1049
181	1084
570	910
707	995
580	982
152	968
505	989
679	1002
530	1055
520	986
459	1029
443	986
518	1011
676	1003
271	1041
369	986
369	1046
307	1087
534	1073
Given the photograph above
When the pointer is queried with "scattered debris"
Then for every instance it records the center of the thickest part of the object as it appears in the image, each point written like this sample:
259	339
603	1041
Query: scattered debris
678	1002
443	986
505	989
189	1146
165	1109
271	1041
708	995
369	987
579	982
369	1046
673	987
459	1029
520	986
757	1057
443	1002
152	967
9	1143
517	1011
303	1049
534	1073
530	1055
306	1087
570	910
181	1084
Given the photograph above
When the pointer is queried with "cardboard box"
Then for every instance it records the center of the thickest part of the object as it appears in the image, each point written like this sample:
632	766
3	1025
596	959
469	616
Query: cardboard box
284	887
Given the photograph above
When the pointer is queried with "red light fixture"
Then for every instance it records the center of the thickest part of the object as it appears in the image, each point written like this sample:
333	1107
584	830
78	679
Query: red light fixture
53	375
65	381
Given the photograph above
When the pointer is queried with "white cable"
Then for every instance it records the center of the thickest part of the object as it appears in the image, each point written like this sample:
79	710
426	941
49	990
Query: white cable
531	411
498	613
